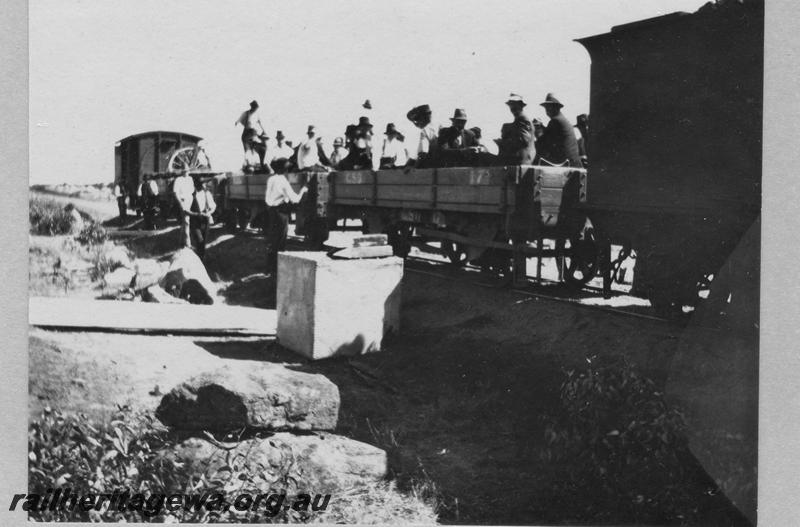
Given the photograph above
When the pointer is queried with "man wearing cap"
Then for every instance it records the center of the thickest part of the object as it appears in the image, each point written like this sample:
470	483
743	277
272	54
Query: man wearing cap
393	153
515	145
251	122
339	152
425	153
279	198
457	144
558	145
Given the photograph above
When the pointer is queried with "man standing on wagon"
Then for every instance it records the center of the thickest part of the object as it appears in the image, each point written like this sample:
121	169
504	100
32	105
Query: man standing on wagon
558	144
515	146
253	129
426	151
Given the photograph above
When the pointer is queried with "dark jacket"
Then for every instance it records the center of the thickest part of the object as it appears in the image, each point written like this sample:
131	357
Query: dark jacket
516	142
449	138
558	143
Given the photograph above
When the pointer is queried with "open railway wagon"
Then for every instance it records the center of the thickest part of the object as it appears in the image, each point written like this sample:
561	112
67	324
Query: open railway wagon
675	176
243	203
161	155
494	216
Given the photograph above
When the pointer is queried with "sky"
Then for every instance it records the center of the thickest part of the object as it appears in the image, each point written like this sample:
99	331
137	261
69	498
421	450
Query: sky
103	70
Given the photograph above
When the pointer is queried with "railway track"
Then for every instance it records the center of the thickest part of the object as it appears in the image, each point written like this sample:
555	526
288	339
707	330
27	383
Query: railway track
545	289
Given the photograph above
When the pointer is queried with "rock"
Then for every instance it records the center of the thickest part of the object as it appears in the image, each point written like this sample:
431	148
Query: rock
118	257
76	220
148	272
186	266
326	463
265	398
158	296
119	278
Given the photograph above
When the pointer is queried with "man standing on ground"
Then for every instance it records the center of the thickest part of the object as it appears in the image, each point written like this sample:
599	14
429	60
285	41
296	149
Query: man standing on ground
200	211
279	198
119	193
558	145
183	189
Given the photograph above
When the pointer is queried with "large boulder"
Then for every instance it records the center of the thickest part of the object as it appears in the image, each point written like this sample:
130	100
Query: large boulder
187	278
117	256
157	295
119	278
322	463
148	272
266	398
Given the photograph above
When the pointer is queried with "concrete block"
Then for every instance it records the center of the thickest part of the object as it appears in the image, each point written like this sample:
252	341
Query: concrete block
328	307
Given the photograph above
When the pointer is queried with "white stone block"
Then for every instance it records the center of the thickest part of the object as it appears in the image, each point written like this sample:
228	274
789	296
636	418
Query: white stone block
328	307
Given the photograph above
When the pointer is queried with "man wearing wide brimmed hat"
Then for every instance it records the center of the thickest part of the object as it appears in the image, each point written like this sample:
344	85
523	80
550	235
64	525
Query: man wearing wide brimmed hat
424	154
558	144
393	153
516	138
456	142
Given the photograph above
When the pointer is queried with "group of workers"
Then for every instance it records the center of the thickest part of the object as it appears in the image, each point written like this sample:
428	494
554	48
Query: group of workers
522	141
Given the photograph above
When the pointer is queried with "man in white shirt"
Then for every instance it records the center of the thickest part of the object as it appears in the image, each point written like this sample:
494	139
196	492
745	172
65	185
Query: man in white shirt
279	197
426	150
394	153
280	150
253	129
183	190
308	151
148	196
339	152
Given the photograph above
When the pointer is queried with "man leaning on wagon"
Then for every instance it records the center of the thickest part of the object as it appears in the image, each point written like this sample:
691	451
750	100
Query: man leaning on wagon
515	146
557	145
279	197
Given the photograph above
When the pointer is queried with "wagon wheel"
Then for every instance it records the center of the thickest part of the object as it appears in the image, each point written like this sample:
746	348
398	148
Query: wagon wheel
582	259
455	252
188	158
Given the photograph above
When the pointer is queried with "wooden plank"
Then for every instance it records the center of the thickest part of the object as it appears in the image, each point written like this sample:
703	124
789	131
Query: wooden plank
405	204
354	177
484	195
406	192
491	176
353	191
113	315
470	207
417	176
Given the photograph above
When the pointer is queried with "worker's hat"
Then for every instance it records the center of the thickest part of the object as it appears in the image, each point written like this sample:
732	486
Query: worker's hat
515	99
551	99
459	115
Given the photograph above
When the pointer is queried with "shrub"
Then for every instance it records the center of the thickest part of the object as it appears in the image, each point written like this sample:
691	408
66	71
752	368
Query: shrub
133	452
48	218
92	234
617	447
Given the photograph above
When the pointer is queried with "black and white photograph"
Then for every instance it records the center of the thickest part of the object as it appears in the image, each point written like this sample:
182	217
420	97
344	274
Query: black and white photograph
394	262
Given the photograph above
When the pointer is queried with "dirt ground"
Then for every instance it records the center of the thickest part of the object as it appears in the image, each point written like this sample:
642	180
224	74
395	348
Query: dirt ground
457	397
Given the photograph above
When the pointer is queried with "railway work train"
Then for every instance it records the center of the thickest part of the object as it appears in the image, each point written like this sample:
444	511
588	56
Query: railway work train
675	174
674	178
